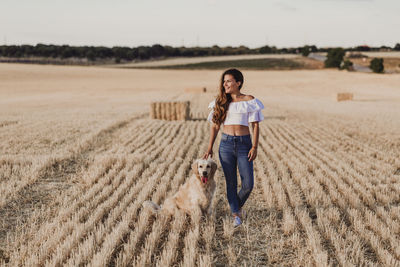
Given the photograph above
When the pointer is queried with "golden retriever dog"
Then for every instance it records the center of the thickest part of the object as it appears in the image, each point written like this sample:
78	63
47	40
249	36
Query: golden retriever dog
195	194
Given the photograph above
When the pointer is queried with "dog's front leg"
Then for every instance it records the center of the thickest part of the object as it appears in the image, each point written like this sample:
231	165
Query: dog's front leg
196	213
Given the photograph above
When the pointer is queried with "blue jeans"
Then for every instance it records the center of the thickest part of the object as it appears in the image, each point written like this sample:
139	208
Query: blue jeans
233	151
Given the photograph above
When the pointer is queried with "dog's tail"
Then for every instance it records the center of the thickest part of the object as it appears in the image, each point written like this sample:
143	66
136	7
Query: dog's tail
151	206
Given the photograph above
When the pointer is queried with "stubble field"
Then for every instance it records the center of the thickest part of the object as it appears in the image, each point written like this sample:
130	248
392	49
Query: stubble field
79	154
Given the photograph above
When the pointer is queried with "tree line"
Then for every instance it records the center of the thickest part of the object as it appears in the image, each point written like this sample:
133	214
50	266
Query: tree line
119	53
128	54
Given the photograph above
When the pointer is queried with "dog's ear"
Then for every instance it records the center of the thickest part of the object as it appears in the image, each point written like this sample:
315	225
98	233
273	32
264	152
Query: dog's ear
213	168
194	168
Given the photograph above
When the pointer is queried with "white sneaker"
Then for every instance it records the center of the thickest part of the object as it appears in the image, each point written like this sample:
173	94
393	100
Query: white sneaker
237	221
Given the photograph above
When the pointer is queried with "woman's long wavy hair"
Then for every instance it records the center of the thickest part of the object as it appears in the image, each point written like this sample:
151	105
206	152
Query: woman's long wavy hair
223	99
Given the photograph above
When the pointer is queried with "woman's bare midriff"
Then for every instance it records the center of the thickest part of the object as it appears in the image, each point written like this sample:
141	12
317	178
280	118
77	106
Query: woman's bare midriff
236	130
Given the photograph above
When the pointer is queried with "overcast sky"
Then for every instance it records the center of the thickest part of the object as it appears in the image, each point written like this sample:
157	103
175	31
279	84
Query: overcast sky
252	23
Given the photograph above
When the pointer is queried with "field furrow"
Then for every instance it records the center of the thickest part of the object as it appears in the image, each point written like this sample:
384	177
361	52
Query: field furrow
296	210
94	180
173	161
363	158
388	198
58	169
357	203
117	213
299	174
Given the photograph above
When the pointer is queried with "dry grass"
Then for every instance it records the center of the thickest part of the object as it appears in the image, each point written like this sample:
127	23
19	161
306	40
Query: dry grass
392	54
79	155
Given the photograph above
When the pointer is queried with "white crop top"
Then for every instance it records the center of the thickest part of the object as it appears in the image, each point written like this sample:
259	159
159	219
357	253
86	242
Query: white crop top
241	112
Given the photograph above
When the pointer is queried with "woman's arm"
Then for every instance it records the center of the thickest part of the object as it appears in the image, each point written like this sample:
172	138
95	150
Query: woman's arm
253	151
214	128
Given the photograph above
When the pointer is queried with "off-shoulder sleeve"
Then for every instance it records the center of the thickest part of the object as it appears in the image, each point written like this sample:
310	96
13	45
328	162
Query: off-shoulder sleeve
255	113
210	115
256	116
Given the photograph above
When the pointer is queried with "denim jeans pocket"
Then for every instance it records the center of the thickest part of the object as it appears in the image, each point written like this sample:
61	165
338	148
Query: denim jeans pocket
224	145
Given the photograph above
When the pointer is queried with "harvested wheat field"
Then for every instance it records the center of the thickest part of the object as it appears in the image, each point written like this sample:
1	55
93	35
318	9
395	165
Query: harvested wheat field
79	154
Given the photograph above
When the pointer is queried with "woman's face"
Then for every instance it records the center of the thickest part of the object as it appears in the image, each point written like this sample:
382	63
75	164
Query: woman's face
230	84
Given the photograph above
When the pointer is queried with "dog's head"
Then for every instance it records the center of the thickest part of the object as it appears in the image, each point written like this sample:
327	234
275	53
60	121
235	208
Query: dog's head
204	169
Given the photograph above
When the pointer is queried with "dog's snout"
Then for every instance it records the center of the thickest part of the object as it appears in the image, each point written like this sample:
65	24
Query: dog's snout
204	173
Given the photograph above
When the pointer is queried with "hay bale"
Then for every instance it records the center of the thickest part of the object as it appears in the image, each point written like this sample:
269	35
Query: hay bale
165	112
344	96
196	90
184	110
153	110
160	107
170	110
173	111
158	110
179	108
163	109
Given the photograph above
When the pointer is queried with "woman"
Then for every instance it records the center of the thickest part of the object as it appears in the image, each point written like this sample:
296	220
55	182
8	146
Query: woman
235	111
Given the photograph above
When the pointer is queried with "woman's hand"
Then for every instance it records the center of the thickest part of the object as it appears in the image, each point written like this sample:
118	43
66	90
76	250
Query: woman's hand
207	154
252	154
